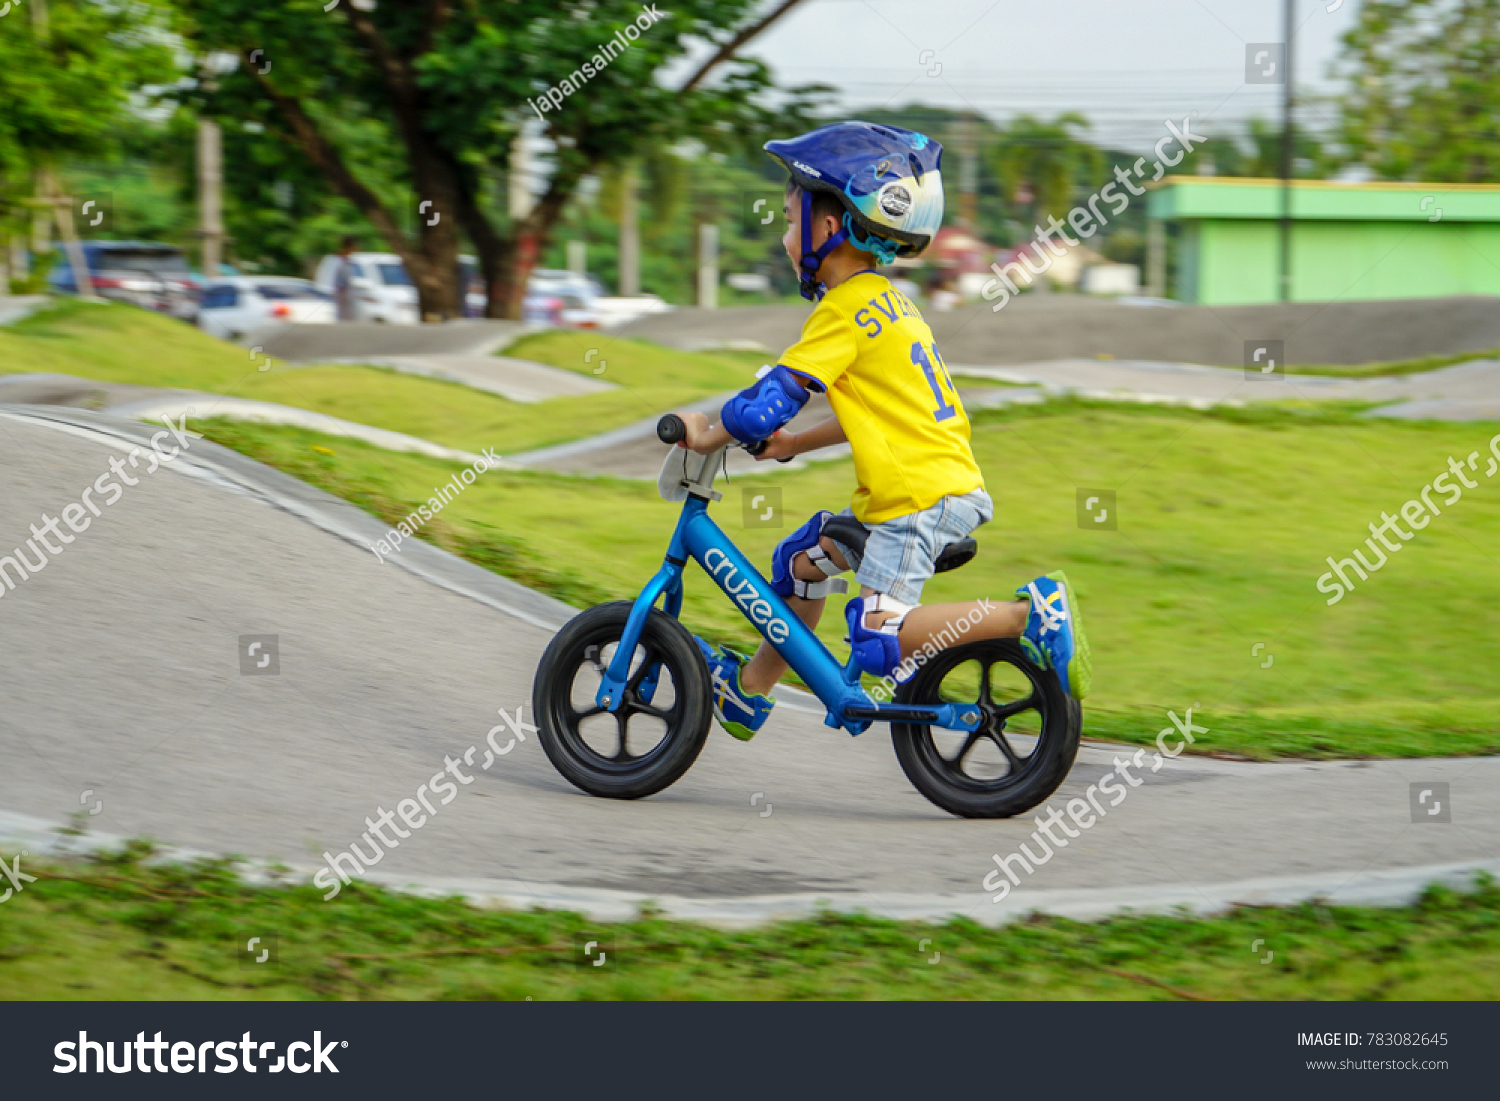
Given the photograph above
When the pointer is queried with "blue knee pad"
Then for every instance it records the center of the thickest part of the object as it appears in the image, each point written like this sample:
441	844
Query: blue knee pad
758	412
876	652
805	538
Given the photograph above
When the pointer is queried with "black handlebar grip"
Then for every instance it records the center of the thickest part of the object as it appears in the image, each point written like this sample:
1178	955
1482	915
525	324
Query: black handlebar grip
671	429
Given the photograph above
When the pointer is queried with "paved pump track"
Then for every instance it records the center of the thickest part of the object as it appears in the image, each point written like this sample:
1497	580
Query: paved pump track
126	707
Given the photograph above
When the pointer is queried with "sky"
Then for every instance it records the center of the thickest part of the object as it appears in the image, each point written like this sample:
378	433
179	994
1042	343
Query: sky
1127	65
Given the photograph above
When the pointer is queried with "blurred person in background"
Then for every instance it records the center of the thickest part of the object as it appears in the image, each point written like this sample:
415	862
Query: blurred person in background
343	280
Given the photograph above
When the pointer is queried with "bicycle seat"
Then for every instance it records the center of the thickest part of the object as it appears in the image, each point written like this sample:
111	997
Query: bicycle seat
850	532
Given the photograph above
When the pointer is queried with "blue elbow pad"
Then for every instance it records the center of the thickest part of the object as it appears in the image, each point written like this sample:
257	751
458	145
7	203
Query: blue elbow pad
756	413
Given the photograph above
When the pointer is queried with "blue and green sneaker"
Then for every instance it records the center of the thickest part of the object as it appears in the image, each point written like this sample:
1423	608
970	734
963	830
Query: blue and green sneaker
739	712
1054	637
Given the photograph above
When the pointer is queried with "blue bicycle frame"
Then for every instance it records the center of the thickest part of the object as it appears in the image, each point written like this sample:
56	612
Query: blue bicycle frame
837	686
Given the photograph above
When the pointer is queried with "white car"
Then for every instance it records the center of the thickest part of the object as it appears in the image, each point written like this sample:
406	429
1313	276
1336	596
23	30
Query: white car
379	286
230	308
615	312
577	295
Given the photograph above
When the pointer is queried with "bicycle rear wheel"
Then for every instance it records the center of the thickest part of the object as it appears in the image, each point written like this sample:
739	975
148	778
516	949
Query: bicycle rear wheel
1026	741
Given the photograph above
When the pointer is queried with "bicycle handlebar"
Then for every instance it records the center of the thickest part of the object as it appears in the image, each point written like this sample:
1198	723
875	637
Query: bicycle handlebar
671	429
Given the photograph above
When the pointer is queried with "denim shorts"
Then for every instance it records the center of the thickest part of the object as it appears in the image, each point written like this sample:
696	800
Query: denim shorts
899	554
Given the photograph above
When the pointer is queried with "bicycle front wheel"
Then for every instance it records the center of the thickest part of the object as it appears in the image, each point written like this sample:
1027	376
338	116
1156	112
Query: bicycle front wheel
660	727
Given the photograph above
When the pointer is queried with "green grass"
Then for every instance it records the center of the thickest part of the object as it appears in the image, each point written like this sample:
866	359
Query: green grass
1225	520
113	928
1398	367
118	343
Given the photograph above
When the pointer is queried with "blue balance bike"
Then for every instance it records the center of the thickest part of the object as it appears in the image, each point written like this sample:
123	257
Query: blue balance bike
623	697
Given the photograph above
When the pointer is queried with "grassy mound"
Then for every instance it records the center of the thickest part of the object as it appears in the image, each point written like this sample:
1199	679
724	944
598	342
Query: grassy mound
116	928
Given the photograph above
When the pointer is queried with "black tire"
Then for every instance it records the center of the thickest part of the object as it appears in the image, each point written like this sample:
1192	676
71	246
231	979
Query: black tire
575	732
950	767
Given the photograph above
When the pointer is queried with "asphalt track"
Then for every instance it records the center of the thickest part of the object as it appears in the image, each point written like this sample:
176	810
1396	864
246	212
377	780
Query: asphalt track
123	693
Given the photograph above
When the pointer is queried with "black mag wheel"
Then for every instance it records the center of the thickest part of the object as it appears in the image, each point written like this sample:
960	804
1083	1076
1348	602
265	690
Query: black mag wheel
1026	741
655	735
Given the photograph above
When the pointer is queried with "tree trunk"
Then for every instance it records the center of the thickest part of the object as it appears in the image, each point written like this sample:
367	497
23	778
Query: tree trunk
507	261
434	264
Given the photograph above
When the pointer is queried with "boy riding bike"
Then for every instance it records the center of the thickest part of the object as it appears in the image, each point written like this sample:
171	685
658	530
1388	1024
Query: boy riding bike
861	195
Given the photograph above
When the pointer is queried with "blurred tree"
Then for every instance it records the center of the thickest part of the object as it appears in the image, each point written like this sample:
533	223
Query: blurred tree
1424	89
1040	164
681	188
447	87
67	73
1309	157
1218	156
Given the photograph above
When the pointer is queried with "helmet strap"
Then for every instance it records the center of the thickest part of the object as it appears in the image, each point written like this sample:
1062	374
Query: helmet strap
884	251
812	258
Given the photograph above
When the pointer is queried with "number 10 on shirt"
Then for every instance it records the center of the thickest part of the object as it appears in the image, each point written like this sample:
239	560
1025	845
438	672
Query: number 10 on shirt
919	356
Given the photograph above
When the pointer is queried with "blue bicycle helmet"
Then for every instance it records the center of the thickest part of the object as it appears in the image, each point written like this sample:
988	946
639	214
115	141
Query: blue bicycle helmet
889	180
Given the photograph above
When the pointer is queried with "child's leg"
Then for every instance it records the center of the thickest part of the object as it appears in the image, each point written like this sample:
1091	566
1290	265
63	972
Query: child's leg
763	671
925	622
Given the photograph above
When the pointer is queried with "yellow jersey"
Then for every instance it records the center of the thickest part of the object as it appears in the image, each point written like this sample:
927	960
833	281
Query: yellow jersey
870	349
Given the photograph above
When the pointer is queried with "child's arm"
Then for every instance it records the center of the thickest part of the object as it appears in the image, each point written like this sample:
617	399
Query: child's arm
705	437
786	445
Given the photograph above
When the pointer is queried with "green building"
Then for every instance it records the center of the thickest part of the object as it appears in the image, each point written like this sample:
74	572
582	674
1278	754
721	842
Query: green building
1349	240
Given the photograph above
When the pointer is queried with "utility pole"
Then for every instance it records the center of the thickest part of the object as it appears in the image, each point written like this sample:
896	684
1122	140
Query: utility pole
211	196
968	174
520	176
1156	258
630	233
708	267
1285	282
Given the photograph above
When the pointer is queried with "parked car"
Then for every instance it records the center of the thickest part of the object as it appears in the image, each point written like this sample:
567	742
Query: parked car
544	309
142	273
233	307
578	294
552	297
617	311
382	291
